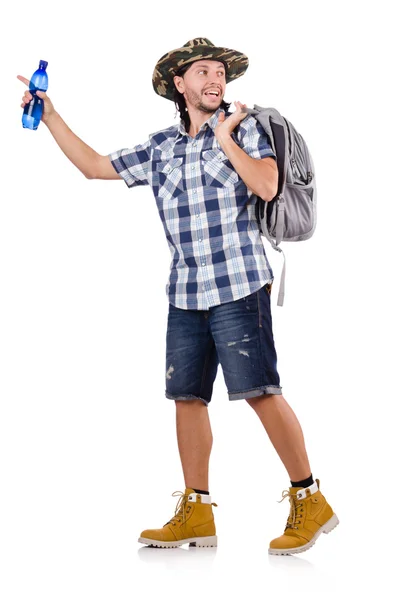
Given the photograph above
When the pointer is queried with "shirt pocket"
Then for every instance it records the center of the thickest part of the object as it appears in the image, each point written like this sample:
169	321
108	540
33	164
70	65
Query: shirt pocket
170	180
218	170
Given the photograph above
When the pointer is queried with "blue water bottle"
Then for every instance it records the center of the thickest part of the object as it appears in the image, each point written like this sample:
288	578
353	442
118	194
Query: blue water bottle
33	111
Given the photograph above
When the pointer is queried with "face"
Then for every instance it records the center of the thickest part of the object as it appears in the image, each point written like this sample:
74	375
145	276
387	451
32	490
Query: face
203	76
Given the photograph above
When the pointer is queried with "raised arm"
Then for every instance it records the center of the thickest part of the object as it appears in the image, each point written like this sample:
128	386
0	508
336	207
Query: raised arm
87	160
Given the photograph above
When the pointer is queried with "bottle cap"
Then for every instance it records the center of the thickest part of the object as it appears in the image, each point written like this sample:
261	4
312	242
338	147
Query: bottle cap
43	64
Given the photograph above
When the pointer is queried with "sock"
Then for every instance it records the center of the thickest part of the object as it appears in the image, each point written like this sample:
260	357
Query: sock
304	483
201	492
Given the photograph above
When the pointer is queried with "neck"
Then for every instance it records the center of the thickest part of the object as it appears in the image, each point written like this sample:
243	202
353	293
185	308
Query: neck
197	119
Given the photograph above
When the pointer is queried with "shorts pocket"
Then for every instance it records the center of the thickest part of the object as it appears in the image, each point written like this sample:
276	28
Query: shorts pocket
218	170
170	178
249	302
263	301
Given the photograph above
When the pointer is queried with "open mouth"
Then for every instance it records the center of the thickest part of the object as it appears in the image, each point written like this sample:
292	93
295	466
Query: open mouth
212	94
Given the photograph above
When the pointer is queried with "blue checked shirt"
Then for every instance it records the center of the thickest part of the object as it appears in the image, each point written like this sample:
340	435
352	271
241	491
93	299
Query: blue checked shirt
207	211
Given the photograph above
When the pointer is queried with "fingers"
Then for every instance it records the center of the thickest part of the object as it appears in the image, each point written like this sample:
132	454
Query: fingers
23	79
240	112
27	97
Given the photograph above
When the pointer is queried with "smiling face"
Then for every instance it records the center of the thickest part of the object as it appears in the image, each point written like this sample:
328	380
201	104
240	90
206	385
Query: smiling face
203	76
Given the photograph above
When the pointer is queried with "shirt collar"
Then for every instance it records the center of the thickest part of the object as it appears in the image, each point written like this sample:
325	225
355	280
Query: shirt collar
211	122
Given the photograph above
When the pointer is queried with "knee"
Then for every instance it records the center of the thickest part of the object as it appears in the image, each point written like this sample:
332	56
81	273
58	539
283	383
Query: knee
183	404
253	402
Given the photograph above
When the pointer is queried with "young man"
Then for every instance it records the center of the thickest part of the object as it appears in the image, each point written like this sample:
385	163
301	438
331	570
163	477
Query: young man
206	173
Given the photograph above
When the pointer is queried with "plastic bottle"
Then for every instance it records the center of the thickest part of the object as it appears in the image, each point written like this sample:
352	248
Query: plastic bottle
33	111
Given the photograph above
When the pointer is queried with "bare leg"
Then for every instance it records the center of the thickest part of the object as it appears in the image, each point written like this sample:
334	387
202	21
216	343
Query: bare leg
194	441
285	433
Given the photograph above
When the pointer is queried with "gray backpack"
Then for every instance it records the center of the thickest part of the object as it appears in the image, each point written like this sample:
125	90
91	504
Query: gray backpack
292	214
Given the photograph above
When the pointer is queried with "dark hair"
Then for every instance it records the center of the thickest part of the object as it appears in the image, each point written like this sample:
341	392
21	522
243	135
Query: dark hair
180	102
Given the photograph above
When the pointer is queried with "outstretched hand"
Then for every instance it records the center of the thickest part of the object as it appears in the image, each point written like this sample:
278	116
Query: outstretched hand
48	108
226	125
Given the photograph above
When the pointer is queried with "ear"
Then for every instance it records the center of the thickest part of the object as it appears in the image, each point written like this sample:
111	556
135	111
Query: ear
178	79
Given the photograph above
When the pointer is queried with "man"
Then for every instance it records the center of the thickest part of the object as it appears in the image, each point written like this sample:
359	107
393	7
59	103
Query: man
205	174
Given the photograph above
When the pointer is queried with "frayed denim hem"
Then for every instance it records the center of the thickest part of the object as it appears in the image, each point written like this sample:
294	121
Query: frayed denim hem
267	389
186	397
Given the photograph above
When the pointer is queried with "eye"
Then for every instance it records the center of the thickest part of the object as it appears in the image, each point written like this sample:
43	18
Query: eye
205	70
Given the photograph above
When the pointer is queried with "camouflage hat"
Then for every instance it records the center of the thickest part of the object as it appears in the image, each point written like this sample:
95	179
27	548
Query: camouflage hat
163	75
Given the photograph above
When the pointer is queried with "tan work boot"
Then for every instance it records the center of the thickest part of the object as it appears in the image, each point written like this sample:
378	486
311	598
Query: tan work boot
193	523
310	515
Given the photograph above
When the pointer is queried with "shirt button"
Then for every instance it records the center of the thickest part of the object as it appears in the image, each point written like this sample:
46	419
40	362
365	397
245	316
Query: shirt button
197	215
200	239
194	191
203	264
193	168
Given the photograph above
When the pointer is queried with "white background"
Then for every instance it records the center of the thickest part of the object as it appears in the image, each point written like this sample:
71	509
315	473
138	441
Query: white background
87	438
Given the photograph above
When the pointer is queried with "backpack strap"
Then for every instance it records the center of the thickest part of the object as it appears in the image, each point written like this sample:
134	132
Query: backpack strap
274	126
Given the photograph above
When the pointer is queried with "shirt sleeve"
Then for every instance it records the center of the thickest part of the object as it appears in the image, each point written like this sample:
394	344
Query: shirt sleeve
254	139
132	164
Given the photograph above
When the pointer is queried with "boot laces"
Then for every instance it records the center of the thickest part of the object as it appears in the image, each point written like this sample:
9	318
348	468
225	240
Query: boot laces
293	513
180	510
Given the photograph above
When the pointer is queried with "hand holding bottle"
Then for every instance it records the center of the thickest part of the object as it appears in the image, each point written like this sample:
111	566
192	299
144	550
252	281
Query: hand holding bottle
48	108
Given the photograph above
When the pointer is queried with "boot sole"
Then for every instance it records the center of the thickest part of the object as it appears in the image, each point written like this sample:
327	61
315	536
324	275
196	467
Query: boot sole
326	528
200	542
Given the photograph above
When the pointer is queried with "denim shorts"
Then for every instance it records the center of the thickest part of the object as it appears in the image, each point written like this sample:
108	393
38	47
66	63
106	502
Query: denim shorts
237	334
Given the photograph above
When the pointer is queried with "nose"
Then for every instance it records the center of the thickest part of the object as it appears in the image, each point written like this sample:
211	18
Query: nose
216	84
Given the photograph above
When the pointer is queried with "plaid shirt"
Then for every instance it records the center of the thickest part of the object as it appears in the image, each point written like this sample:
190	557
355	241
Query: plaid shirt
206	210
